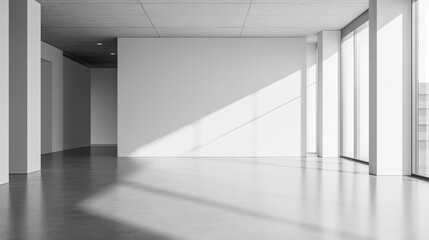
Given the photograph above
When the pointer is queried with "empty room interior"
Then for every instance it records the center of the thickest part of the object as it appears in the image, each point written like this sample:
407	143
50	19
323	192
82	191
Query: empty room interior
214	119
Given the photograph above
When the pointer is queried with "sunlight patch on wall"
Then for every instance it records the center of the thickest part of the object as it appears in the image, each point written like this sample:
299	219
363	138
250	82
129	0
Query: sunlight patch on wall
260	124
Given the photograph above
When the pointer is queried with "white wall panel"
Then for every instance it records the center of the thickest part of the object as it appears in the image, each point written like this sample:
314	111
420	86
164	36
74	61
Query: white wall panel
4	92
46	88
77	105
210	97
104	106
55	57
66	102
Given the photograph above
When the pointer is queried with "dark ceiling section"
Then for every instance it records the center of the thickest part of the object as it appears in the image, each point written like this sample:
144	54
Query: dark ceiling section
89	53
76	26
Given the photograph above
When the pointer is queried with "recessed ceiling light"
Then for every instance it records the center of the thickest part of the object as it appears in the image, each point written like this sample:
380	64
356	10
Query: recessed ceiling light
99	44
112	53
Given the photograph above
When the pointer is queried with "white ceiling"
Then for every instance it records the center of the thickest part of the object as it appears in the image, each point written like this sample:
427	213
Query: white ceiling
75	26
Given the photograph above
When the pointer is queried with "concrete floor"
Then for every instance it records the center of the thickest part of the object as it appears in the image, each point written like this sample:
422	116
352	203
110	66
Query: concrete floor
91	194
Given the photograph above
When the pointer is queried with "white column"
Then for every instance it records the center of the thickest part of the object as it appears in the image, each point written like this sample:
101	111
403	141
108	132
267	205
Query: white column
4	92
24	86
328	72
390	87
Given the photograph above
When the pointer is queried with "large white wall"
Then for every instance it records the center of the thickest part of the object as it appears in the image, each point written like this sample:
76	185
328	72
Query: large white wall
4	92
52	134
77	105
104	106
65	102
211	97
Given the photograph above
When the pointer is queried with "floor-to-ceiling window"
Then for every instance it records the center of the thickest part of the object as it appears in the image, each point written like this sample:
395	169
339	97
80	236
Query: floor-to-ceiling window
421	110
362	92
348	95
311	98
355	94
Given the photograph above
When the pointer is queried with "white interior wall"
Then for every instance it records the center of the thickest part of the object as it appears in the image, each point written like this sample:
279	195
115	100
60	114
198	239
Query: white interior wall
77	105
66	102
46	81
55	57
104	106
4	92
210	97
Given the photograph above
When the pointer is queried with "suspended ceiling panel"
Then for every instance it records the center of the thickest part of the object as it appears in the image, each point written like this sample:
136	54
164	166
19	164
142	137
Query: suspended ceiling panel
76	26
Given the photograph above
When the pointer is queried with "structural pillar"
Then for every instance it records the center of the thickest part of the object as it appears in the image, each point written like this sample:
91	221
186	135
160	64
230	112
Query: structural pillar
4	92
24	86
390	24
328	73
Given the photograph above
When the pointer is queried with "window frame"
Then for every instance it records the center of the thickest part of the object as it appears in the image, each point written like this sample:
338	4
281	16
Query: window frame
356	97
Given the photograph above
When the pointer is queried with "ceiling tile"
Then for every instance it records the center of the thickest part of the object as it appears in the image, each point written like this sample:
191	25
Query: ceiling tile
92	9
200	32
102	21
195	1
311	1
88	1
197	15
179	10
281	32
352	10
298	21
202	22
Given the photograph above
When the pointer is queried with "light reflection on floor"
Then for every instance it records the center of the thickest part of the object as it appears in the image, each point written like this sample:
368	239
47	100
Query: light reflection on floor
90	194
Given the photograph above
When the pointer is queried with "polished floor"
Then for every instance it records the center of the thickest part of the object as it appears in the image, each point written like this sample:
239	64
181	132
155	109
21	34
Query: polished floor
90	194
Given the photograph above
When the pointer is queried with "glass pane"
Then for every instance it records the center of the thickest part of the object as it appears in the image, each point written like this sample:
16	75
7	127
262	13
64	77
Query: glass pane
422	164
362	68
348	110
